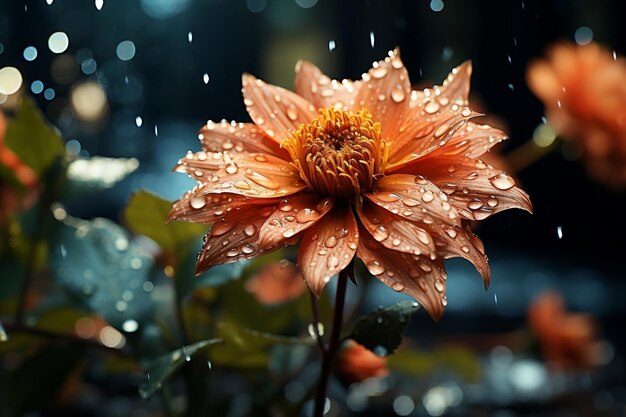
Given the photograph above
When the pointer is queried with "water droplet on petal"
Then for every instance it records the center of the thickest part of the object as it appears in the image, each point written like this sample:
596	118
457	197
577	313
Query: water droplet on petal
197	203
428	196
439	285
502	181
249	230
397	286
378	72
397	94
375	268
231	169
331	242
431	107
380	233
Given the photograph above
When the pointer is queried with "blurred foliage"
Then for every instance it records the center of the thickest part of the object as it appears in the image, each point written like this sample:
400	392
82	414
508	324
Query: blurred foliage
85	299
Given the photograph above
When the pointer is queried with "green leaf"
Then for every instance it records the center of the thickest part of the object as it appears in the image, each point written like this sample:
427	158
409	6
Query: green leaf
34	141
96	174
146	214
163	367
381	330
98	265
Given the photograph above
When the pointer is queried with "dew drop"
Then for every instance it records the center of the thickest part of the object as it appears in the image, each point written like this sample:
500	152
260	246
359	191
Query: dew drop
397	94
249	230
431	107
333	261
375	268
502	181
232	253
378	72
444	301
439	285
397	286
492	201
292	113
380	233
263	181
289	233
231	169
428	196
331	242
465	249
197	203
475	204
285	206
247	249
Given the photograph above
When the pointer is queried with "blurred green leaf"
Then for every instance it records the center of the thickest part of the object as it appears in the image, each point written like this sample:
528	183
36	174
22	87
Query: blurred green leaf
30	136
381	331
161	368
98	265
463	362
96	174
146	214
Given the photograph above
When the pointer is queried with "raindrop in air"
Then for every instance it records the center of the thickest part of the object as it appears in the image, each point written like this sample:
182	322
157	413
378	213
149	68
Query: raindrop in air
583	35
331	45
372	40
559	232
156	130
205	78
189	37
436	5
138	121
130	326
99	4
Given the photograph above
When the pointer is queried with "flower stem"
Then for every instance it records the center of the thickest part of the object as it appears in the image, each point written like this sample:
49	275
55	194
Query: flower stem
333	345
316	321
527	154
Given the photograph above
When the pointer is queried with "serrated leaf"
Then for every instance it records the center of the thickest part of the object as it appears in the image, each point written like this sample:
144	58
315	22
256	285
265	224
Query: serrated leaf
146	214
32	139
96	174
381	331
98	265
163	367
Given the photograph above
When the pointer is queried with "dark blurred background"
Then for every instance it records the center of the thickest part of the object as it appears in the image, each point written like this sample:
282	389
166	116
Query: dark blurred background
163	67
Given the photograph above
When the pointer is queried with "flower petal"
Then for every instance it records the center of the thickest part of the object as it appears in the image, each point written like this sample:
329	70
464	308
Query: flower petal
235	237
473	140
395	232
460	242
474	188
328	247
238	137
413	198
294	214
417	276
250	174
275	110
385	93
426	135
319	89
200	207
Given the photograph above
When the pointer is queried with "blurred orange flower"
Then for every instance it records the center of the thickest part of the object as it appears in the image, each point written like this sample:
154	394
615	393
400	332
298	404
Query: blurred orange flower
356	363
276	283
13	200
367	168
567	340
584	91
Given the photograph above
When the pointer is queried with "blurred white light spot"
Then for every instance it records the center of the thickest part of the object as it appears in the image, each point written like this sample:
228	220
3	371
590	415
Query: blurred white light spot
36	87
105	170
436	5
527	377
148	286
58	42
447	53
356	400
372	40
511	87
138	121
544	135
436	401
49	94
59	213
306	4
136	263
403	405
99	4
85	328
89	101
256	6
110	337
559	232
130	326
614	56
156	130
30	53
125	50
10	80
331	45
163	9
189	37
205	78
495	298
583	35
49	2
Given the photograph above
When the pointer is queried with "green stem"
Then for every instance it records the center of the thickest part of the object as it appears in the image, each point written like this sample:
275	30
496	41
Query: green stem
316	321
333	345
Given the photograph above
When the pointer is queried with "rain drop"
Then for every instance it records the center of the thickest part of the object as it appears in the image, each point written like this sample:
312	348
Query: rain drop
205	78
331	45
138	121
397	286
189	37
372	39
397	94
559	232
502	181
375	268
249	230
99	4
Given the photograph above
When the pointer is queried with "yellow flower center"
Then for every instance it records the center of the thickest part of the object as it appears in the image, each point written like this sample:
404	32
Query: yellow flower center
338	153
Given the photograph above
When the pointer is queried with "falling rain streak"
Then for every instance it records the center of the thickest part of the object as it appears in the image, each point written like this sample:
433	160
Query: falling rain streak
331	45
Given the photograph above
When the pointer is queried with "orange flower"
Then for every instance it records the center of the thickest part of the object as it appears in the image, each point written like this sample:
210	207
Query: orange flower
12	200
276	283
366	168
584	91
356	363
567	340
